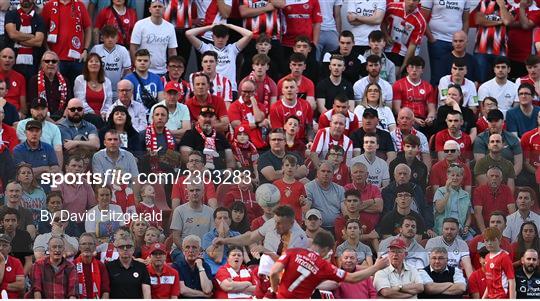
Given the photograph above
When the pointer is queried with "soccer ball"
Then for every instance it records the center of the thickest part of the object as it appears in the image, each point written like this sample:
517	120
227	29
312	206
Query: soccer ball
267	195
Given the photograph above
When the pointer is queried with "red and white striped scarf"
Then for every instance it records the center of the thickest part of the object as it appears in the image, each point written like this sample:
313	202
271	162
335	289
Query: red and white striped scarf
151	138
24	53
399	137
183	10
96	279
245	153
210	149
62	87
76	13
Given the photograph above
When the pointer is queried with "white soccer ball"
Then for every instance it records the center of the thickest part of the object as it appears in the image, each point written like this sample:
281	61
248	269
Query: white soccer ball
267	195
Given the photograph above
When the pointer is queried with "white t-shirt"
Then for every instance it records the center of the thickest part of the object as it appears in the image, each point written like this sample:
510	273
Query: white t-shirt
470	97
157	39
386	116
361	84
456	251
226	64
114	63
366	9
327	12
446	17
378	170
505	95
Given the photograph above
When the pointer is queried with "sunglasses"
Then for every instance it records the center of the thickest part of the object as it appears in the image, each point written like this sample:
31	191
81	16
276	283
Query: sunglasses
207	110
51	61
124	247
450	151
76	109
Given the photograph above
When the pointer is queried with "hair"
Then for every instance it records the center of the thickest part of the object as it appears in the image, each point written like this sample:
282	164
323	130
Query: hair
416	61
455	168
341	98
376	35
128	126
220	31
373	59
451	220
353	192
352	221
49	52
290	158
101	72
142	52
303	39
526	189
7	210
88	234
337	149
364	102
408	218
458	88
177	59
222	209
492	233
529	87
161	107
455	112
459	62
439	250
53	194
193	238
261	59
493	99
235	248
109	31
412	140
347	34
284	211
200	74
521	247
210	53
327	162
263	38
297	58
324	239
372	135
34	184
498	213
243	226
198	153
152	228
501	60
532	60
338	57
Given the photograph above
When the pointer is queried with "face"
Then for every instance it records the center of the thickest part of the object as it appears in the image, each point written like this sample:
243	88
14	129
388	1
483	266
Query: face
10	223
242	137
158	258
207	121
438	261
377	46
201	86
237	216
528	233
453	122
7	59
171	97
194	193
450	231
453	94
194	163
103	197
414	72
56	249
492	245
402	175
313	223
75	111
112	142
408	229
370	144
302	47
495	143
54	204
353	230
109	41
208	64
359	174
529	261
125	248
39	113
341	107
325	173
404	200
3	90
336	67
345	45
151	237
405	119
336	157
25	175
235	259
175	69
142	63
525	96
297	68
524	201
458	72
33	135
459	41
263	48
410	150
498	222
534	71
349	260
191	250
156	9
277	141
369	124
94	64
222	217
373	69
13	192
220	42
49	63
119	118
456	178
139	228
396	256
260	69
337	125
5	248
160	117
125	91
87	246
283	224
148	191
247	91
501	71
494	178
373	94
352	203
495	126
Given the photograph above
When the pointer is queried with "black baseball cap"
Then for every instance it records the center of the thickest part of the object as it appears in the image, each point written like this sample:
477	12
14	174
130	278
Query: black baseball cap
33	124
39	102
495	115
370	112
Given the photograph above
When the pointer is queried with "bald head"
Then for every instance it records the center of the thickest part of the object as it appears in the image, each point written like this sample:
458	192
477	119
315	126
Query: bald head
7	51
7	58
459	42
74	102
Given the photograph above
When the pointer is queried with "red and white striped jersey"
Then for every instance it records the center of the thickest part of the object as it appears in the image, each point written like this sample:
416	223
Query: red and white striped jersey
279	112
221	86
351	124
492	39
323	140
227	272
213	16
268	23
404	28
179	13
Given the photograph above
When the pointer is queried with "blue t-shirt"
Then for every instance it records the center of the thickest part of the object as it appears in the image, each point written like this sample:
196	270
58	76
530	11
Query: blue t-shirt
207	241
44	155
516	121
152	83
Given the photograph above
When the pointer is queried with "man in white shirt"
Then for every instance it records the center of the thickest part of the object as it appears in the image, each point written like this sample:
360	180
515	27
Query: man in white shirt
365	17
457	76
525	201
499	87
377	167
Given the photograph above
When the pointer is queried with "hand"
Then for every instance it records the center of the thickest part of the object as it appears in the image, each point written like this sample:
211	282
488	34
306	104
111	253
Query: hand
432	39
70	144
269	7
223	229
302	201
465	230
429	120
218	241
199	22
2	259
381	263
431	233
419	121
199	263
448	185
84	54
104	116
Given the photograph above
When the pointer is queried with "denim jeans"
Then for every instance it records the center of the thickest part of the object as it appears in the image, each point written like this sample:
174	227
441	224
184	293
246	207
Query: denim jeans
439	60
328	41
485	66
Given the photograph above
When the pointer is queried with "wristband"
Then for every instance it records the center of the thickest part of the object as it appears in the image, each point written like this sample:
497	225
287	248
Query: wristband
201	270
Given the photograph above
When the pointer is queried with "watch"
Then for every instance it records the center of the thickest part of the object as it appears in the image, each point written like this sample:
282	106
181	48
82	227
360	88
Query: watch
400	287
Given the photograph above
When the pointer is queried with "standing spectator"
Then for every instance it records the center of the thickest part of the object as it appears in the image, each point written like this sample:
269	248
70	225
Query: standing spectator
25	32
301	19
330	28
491	18
119	16
157	36
523	118
53	276
500	87
477	281
333	86
69	34
373	68
365	17
527	276
195	275
92	275
531	154
353	69
533	75
11	269
403	27
520	33
440	279
497	220
459	50
500	280
234	279
340	106
148	88
164	280
495	159
135	109
361	290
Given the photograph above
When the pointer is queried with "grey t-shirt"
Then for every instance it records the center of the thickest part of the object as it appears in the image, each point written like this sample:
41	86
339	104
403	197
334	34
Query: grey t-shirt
362	251
192	221
327	201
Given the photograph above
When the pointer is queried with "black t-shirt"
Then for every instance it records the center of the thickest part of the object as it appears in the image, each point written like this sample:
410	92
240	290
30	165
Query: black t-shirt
469	119
21	245
38	25
327	90
391	222
419	170
193	139
385	141
127	283
269	159
527	288
354	69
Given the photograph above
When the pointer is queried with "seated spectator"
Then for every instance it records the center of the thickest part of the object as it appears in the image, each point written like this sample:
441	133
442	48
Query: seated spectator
525	201
454	132
377	44
377	168
239	221
405	127
48	285
202	97
20	240
409	156
457	249
9	135
120	120
440	279
90	270
292	142
385	93
292	191
370	121
352	232
33	196
408	285
353	63
54	203
305	87
492	196
13	199
137	111
176	67
329	88
498	263
391	221
527	239
313	222
325	195
147	205
531	156
499	88
495	159
216	256
477	283
341	106
439	171
147	85
373	99
11	115
532	64
164	280
244	151
524	117
94	89
454	103
332	135
40	155
361	290
179	120
206	138
457	77
486	105
12	270
195	275
78	135
138	229
451	201
303	45
336	155
104	226
528	276
70	244
195	164
268	214
498	220
107	252
235	281
151	237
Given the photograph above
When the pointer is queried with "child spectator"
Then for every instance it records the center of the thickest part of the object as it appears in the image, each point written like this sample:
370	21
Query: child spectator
240	220
243	192
148	206
151	236
245	153
291	190
500	281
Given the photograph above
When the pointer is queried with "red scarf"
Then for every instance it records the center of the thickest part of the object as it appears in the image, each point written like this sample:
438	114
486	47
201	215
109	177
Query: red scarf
245	153
62	87
24	53
209	146
399	137
123	196
110	252
151	138
96	279
76	14
267	92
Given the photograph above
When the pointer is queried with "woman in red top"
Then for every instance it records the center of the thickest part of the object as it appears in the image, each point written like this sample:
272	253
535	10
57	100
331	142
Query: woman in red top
234	280
119	16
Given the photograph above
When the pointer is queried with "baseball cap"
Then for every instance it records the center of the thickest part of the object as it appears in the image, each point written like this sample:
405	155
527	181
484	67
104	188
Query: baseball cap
495	115
158	247
33	124
207	110
398	243
312	212
370	112
39	102
6	238
172	86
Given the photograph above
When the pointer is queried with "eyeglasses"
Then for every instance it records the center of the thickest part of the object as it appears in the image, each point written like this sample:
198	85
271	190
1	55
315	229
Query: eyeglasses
124	90
76	109
277	139
525	94
175	67
54	62
248	91
403	195
124	247
450	151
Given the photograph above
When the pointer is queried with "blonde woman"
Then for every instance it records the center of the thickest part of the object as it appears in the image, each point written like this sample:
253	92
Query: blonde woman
373	99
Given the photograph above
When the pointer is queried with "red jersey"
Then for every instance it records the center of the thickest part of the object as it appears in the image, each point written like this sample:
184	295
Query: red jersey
477	282
369	192
465	144
290	195
180	13
254	210
438	174
414	96
264	89
300	15
482	124
499	270
305	87
227	272
243	112
257	223
213	16
477	243
405	29
127	22
324	140
9	137
519	39
492	39
12	270
16	87
530	143
143	208
179	191
492	201
279	112
341	175
268	23
69	31
164	285
351	124
216	102
304	271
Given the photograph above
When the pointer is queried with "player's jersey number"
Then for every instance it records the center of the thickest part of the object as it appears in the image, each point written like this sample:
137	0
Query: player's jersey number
304	273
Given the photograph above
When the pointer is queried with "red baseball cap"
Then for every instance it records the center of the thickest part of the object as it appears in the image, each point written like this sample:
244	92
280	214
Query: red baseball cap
398	243
172	85
158	247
